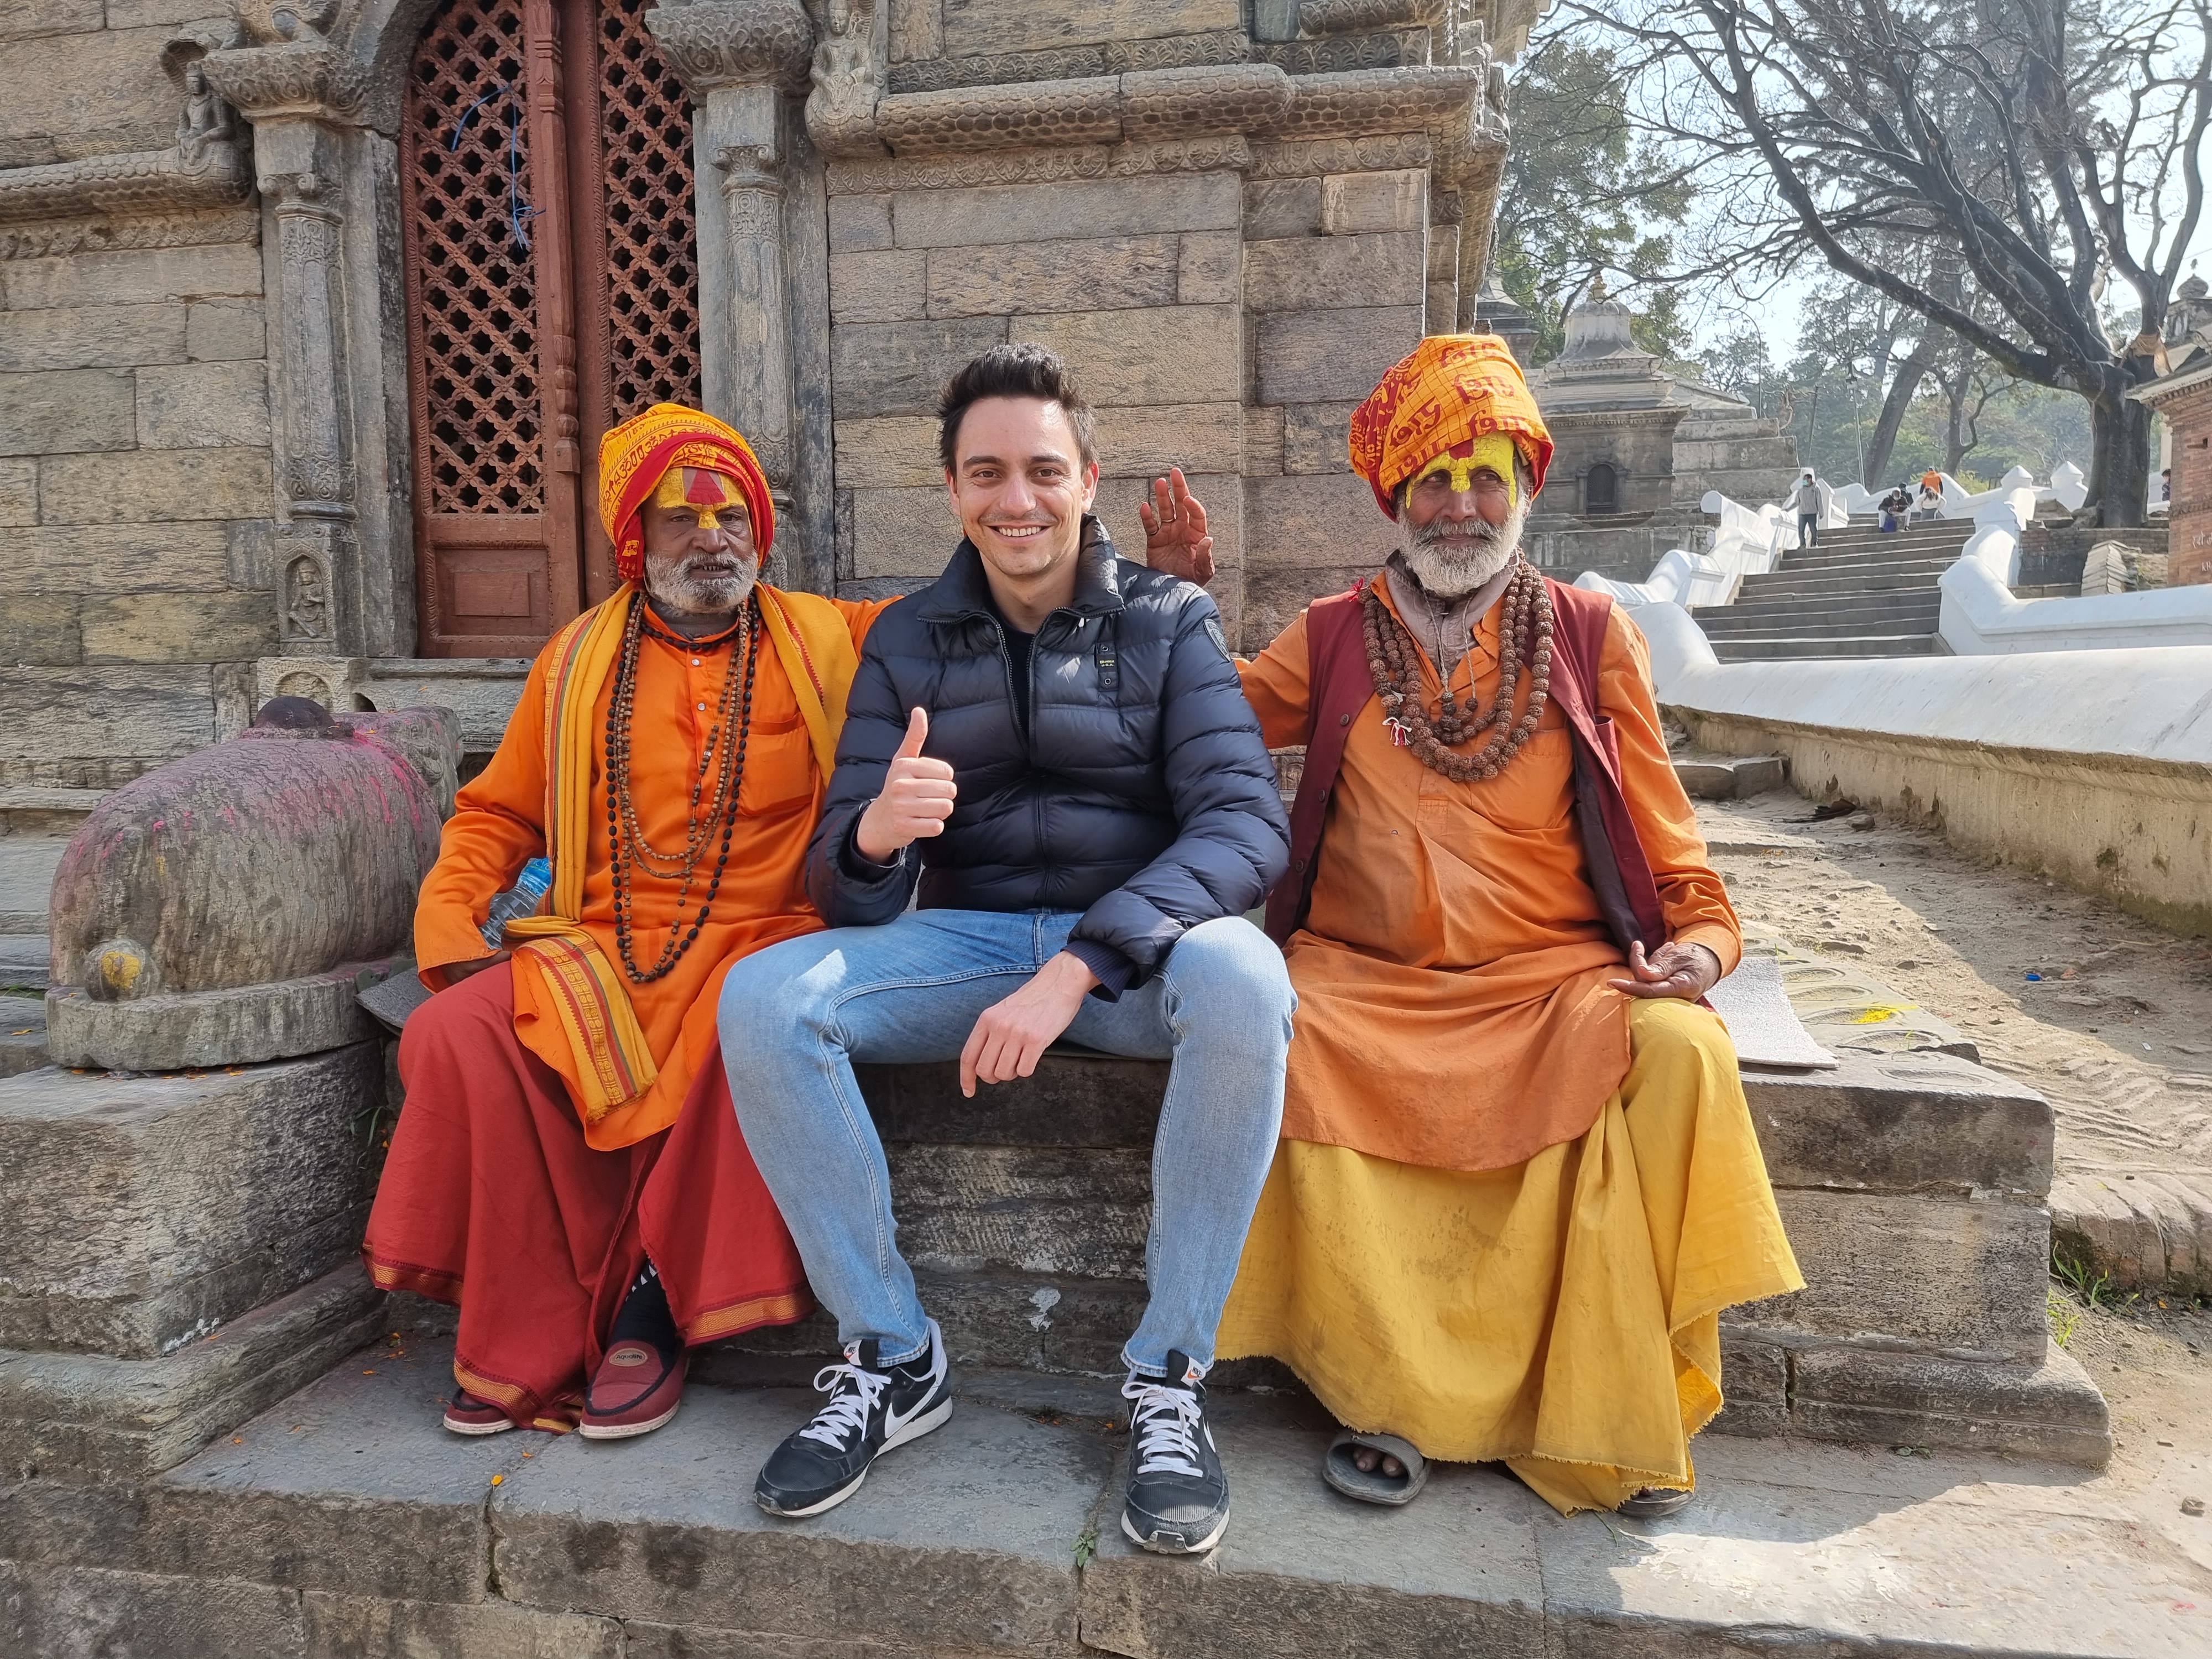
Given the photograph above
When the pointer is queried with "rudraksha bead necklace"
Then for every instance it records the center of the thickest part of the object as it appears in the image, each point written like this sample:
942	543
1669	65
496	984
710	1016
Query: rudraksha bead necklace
628	850
1524	635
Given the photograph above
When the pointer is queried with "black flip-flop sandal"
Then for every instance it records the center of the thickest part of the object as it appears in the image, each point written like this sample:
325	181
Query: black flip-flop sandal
1372	1486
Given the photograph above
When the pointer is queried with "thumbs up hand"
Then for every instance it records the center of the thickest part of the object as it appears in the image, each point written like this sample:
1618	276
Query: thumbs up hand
917	798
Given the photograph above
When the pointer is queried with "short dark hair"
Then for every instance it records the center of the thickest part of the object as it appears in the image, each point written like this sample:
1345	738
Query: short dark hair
1014	371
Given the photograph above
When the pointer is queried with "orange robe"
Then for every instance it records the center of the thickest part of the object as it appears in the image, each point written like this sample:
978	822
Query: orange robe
1452	1007
498	823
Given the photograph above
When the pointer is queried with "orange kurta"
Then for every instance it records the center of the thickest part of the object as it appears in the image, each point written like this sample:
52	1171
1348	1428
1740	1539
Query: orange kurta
1452	1005
498	823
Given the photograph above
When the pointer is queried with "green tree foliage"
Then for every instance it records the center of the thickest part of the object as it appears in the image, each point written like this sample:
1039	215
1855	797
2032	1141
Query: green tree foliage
1583	198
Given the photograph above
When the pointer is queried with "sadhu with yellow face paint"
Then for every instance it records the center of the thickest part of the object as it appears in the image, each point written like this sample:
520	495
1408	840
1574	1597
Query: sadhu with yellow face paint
1519	1179
568	1168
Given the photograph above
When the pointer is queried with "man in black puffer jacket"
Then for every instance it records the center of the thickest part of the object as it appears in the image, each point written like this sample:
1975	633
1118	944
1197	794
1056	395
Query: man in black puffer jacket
1064	734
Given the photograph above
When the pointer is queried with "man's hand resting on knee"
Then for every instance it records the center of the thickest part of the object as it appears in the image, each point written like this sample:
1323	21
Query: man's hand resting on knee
1010	1036
1687	971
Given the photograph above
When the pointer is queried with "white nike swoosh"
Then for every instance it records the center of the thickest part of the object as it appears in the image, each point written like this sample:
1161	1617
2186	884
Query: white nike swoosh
893	1422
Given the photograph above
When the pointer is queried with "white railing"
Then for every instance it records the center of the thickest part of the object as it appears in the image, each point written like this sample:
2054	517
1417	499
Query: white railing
1746	542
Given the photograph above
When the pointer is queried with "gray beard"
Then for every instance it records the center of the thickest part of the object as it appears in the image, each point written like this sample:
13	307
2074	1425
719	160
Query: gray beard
1455	557
673	587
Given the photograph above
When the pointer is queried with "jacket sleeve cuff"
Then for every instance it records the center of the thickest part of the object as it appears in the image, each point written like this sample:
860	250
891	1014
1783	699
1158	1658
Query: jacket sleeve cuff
859	868
1114	971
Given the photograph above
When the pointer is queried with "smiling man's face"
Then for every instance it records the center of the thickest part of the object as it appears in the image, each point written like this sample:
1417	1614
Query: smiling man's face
693	570
1021	486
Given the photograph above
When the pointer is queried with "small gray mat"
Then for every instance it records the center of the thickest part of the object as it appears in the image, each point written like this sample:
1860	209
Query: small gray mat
1765	1030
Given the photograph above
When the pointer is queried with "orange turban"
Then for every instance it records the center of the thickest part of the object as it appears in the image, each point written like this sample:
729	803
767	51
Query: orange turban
636	456
1448	390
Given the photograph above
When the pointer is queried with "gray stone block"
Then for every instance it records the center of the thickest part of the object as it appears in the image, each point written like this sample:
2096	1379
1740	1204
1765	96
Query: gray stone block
1263	443
860	222
898	452
223	331
1144	443
1273	598
993	215
19	494
1304	1572
1170	355
349	1625
22	1035
2049	1409
225	625
1047	1210
1903	1123
33	17
1096	274
41	631
155	486
902	532
23	962
1316	521
66	408
1310	273
1314	356
1963	1279
126	714
1317	438
87	1417
1211	268
973	26
203	405
664	1532
1355	203
121	276
899	368
92	337
62	1610
152	1210
1071	1100
115	559
888	286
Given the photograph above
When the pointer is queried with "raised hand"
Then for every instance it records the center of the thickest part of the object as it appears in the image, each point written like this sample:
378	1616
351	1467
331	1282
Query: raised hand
1175	531
1687	971
916	798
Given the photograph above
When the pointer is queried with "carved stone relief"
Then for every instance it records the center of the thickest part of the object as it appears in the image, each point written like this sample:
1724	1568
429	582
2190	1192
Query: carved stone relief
723	43
840	111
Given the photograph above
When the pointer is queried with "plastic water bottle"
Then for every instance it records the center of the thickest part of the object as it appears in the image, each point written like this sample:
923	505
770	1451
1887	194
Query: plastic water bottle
520	900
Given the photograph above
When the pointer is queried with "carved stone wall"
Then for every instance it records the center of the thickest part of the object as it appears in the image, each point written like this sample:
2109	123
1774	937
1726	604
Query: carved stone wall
136	448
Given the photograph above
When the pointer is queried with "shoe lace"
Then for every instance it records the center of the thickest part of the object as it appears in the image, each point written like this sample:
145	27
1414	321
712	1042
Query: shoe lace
1165	1421
853	1395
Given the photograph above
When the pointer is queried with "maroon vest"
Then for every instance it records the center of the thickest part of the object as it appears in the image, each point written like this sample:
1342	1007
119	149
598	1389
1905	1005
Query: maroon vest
1339	686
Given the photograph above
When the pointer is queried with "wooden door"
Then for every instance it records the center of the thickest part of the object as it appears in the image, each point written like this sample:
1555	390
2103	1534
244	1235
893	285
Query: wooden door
552	290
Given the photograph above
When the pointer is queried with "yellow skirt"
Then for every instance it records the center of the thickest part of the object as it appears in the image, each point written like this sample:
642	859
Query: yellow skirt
1561	1316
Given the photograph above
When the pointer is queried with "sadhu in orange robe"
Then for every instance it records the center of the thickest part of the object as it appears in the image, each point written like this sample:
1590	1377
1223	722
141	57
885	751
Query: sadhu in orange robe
522	1183
1509	1202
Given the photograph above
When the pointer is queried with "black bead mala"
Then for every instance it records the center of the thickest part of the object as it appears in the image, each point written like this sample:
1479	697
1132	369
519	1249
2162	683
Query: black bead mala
1524	635
629	852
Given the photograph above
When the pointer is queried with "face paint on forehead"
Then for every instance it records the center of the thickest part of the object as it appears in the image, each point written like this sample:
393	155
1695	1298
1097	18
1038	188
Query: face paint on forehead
699	487
1459	463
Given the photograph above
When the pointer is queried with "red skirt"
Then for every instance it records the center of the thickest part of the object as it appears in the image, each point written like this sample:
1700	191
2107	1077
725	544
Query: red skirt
491	1200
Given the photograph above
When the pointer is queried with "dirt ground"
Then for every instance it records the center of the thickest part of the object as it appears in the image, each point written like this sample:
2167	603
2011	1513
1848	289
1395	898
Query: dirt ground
2116	1033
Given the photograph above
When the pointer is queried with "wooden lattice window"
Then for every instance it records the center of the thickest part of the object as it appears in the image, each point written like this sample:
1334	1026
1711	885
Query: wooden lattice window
553	290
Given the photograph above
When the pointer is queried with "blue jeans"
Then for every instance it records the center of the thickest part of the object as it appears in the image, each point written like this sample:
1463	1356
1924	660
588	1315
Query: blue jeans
796	1016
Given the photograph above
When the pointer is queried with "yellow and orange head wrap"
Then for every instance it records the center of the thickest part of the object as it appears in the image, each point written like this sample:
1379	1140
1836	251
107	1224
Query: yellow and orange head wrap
1454	397
676	457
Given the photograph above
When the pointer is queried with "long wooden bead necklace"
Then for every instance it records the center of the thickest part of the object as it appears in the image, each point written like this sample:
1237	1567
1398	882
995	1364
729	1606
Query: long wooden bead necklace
1524	635
628	851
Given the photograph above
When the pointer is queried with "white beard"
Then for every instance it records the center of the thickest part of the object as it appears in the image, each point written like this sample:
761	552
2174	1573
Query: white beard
1453	566
676	586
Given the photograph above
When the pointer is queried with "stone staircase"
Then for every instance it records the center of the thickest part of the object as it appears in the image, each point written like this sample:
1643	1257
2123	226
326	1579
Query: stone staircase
1859	593
35	826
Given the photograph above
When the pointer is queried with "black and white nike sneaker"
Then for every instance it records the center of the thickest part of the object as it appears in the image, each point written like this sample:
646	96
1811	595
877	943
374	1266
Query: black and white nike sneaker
872	1407
1178	1499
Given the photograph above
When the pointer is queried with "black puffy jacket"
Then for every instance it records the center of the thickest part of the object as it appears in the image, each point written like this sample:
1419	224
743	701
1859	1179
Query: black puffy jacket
1141	794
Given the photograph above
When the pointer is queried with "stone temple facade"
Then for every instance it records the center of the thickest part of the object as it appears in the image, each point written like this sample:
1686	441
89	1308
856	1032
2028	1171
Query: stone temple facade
2182	394
1638	448
314	312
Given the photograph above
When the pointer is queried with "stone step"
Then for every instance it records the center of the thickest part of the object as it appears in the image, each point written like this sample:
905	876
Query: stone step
1824	563
1780	583
1909	645
1831	607
1730	777
1818	625
26	877
22	1035
345	1519
25	962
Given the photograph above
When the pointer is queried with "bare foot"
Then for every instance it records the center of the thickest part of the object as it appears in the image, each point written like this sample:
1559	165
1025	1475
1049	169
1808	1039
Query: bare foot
1366	1459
